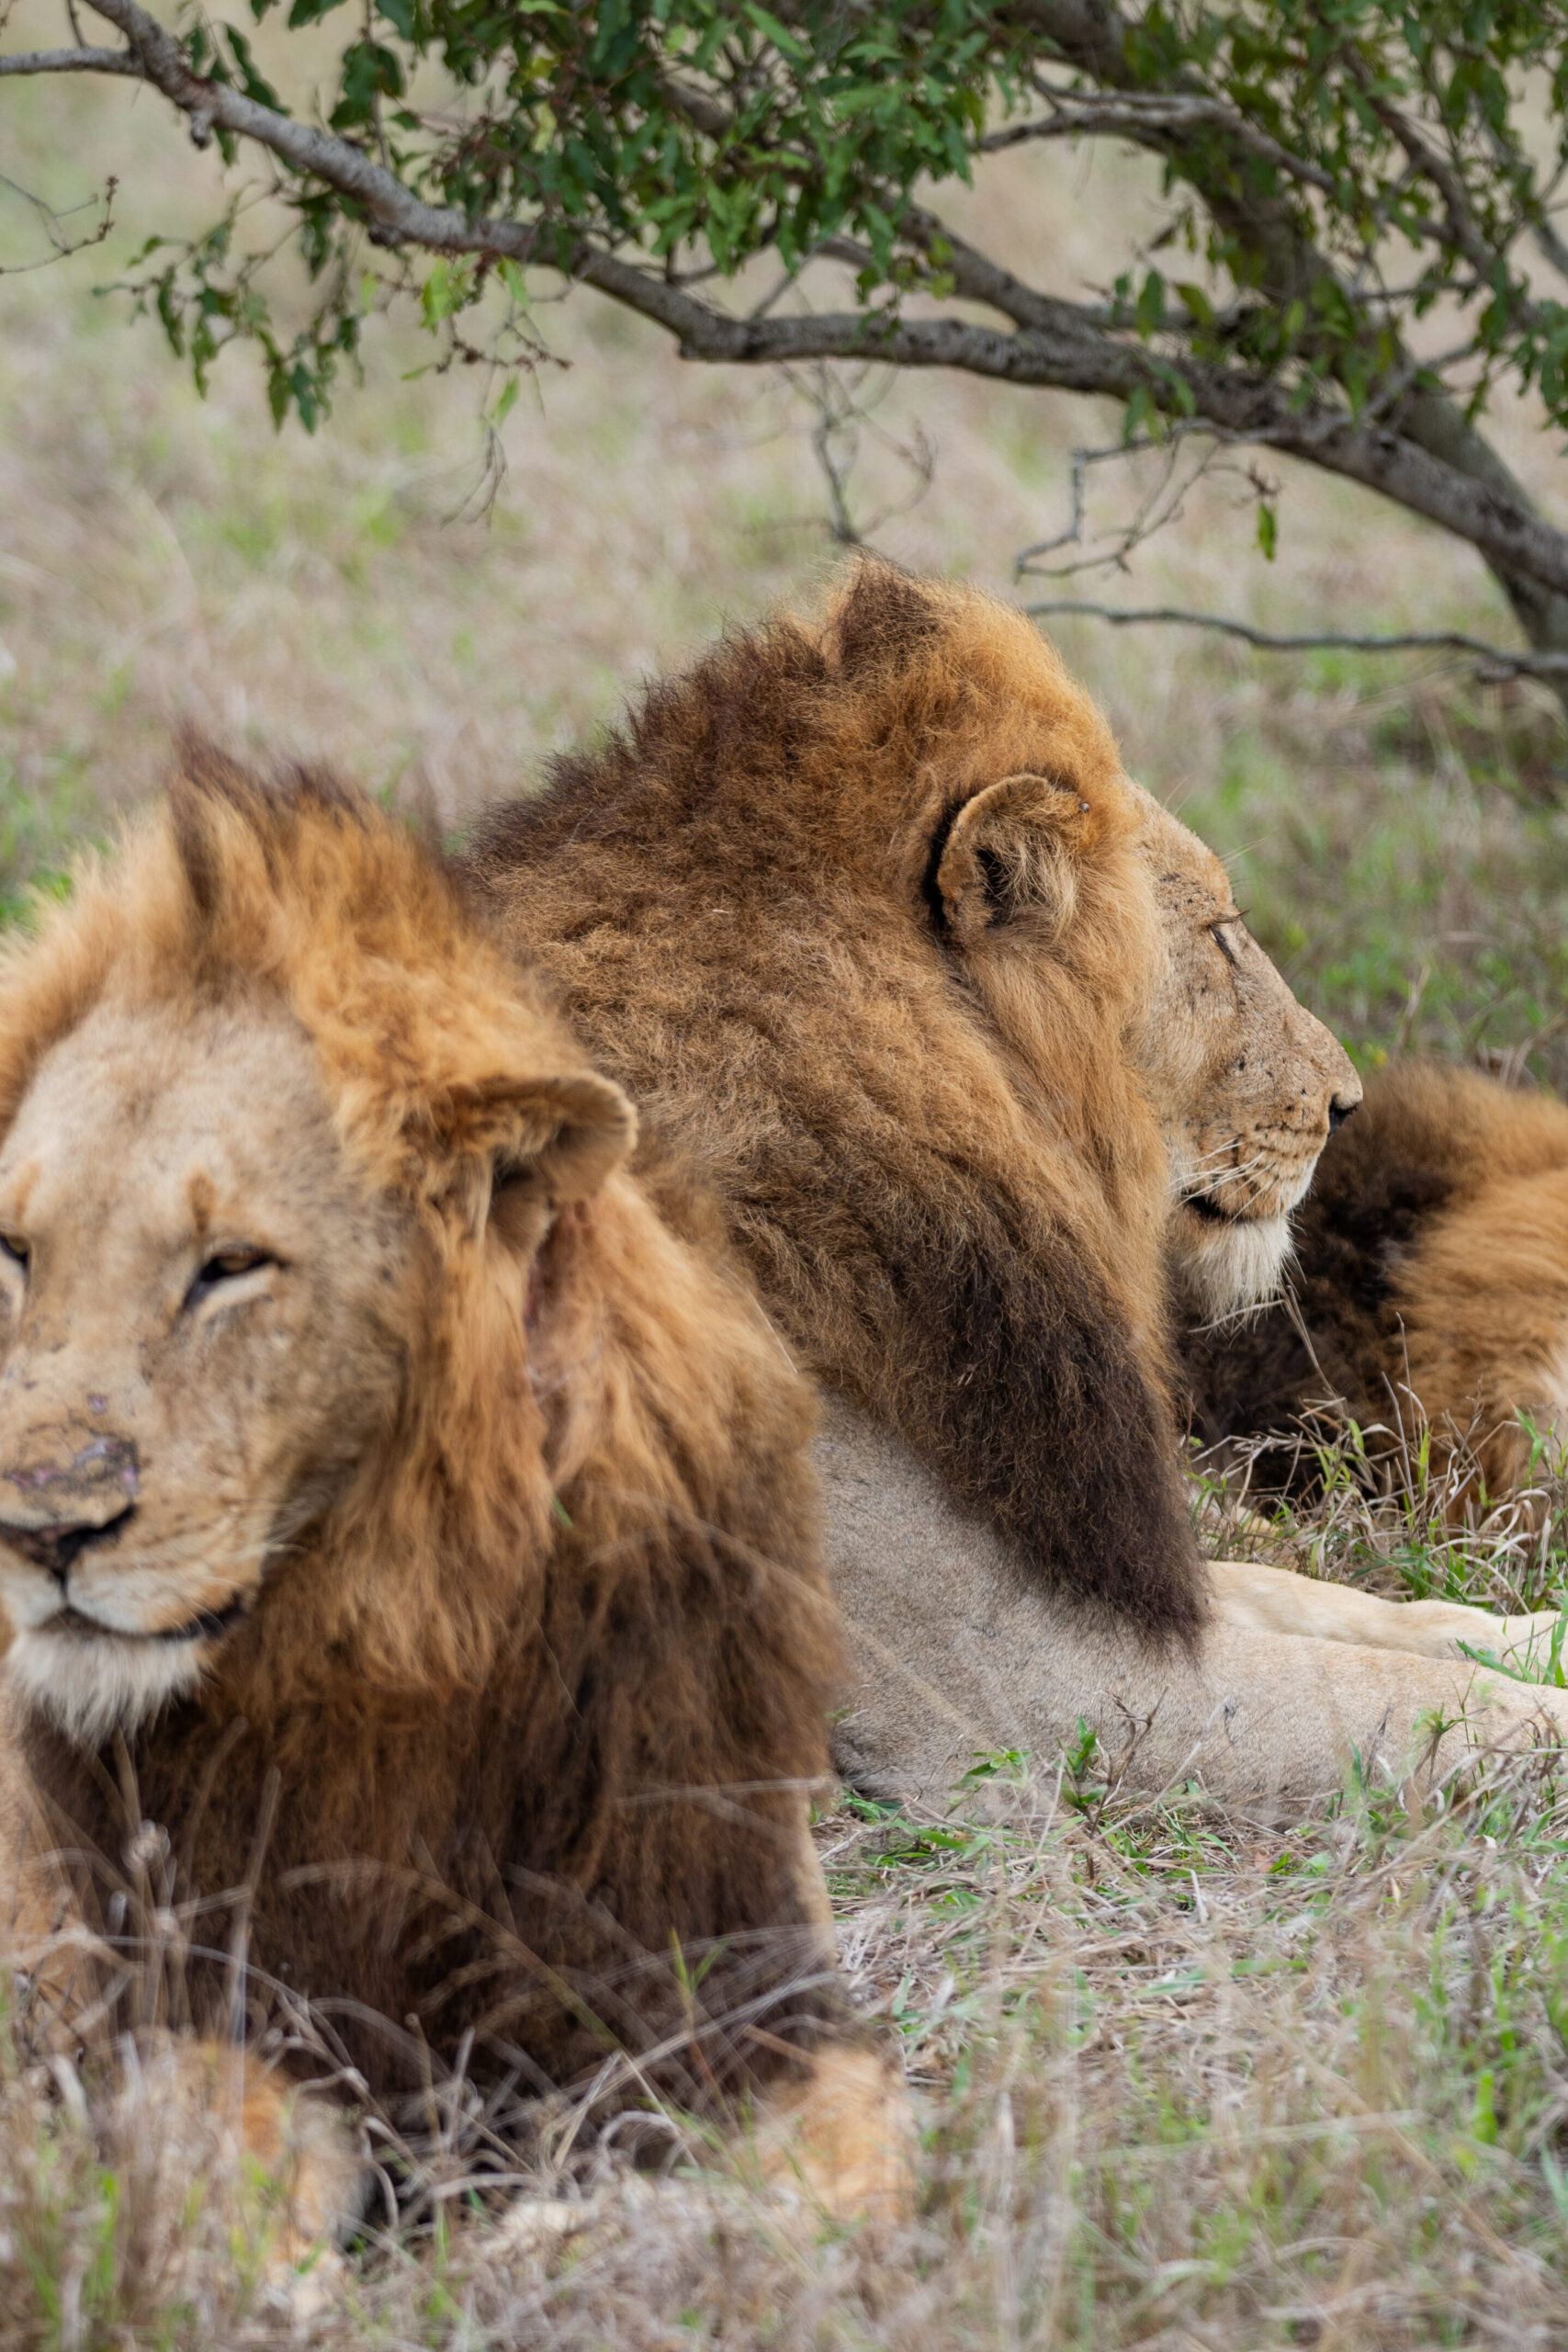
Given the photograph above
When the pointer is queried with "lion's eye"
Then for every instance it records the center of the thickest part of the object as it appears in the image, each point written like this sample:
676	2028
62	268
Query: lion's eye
226	1266
15	1249
1217	932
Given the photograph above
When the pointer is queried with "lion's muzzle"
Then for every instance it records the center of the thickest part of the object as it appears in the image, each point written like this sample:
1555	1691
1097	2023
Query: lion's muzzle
76	1487
72	1476
55	1547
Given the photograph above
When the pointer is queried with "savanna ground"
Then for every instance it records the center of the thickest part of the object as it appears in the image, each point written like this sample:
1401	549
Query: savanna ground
1184	2079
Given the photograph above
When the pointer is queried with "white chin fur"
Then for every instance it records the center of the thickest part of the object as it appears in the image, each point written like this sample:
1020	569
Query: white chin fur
89	1688
1231	1268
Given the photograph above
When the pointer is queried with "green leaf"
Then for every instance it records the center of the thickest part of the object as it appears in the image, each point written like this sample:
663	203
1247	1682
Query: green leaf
1140	411
787	43
1268	529
1151	304
251	82
368	72
448	289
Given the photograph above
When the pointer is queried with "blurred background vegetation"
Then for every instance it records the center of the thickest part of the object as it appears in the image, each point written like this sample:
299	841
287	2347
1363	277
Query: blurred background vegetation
375	594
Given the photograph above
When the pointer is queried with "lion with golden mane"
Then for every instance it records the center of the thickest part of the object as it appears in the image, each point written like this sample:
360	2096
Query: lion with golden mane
394	1510
972	1042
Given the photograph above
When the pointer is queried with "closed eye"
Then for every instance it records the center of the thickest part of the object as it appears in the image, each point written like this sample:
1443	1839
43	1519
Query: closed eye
1217	931
227	1266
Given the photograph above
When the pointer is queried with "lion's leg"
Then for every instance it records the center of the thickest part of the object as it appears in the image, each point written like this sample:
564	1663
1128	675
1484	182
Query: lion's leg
1277	1600
181	2103
1254	1716
43	1936
211	2103
957	1650
843	2131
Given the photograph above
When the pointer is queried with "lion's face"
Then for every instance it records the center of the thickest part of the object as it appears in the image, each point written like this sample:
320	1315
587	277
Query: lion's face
1067	870
1248	1084
198	1336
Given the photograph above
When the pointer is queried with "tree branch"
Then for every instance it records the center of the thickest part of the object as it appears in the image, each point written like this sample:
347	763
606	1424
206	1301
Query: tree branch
1494	659
1145	115
72	60
1094	38
1052	343
1072	356
1464	232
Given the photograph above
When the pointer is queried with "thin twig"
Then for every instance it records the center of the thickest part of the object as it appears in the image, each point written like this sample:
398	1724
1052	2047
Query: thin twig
1495	658
1151	119
841	413
61	245
1161	504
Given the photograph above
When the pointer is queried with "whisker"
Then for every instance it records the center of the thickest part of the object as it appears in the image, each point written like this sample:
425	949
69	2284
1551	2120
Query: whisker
1210	1184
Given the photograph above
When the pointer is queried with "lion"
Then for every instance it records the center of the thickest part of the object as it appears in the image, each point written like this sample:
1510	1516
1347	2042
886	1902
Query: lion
395	1512
970	1038
1429	1297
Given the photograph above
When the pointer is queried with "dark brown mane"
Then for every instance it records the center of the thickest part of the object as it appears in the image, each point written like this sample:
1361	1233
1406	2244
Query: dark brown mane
736	893
1375	1333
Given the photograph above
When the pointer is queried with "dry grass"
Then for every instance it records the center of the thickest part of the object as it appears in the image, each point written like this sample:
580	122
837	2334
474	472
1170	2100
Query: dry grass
1186	2080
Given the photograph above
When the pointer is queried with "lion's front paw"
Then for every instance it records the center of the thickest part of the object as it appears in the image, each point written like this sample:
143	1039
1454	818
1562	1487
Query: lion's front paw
209	2117
845	2135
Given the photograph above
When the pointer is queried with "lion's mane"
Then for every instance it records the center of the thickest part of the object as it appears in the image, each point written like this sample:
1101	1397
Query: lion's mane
1430	1286
529	1700
953	1207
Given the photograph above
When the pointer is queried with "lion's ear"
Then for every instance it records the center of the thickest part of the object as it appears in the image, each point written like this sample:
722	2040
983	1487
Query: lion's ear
1013	850
568	1135
559	1139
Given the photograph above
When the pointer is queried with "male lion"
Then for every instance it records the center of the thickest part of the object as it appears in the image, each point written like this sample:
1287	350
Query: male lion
972	1041
1430	1291
393	1511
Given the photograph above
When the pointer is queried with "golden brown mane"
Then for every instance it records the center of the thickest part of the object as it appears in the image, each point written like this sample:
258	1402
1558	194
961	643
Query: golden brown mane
783	906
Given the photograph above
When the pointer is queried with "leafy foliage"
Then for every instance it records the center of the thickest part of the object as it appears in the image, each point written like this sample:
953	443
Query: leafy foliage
1335	171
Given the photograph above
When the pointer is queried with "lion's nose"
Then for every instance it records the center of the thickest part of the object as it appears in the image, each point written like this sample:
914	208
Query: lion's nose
1340	1107
54	1548
69	1477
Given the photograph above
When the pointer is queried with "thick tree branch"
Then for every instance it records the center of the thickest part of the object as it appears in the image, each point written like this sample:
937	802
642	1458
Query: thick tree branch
1094	38
1071	356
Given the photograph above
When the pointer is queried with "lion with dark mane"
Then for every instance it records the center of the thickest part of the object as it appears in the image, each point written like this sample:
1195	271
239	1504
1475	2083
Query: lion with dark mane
1429	1299
971	1040
416	1524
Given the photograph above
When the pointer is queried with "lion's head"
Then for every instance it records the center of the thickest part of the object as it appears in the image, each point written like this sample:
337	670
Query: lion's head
274	1121
1429	1299
1249	1085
